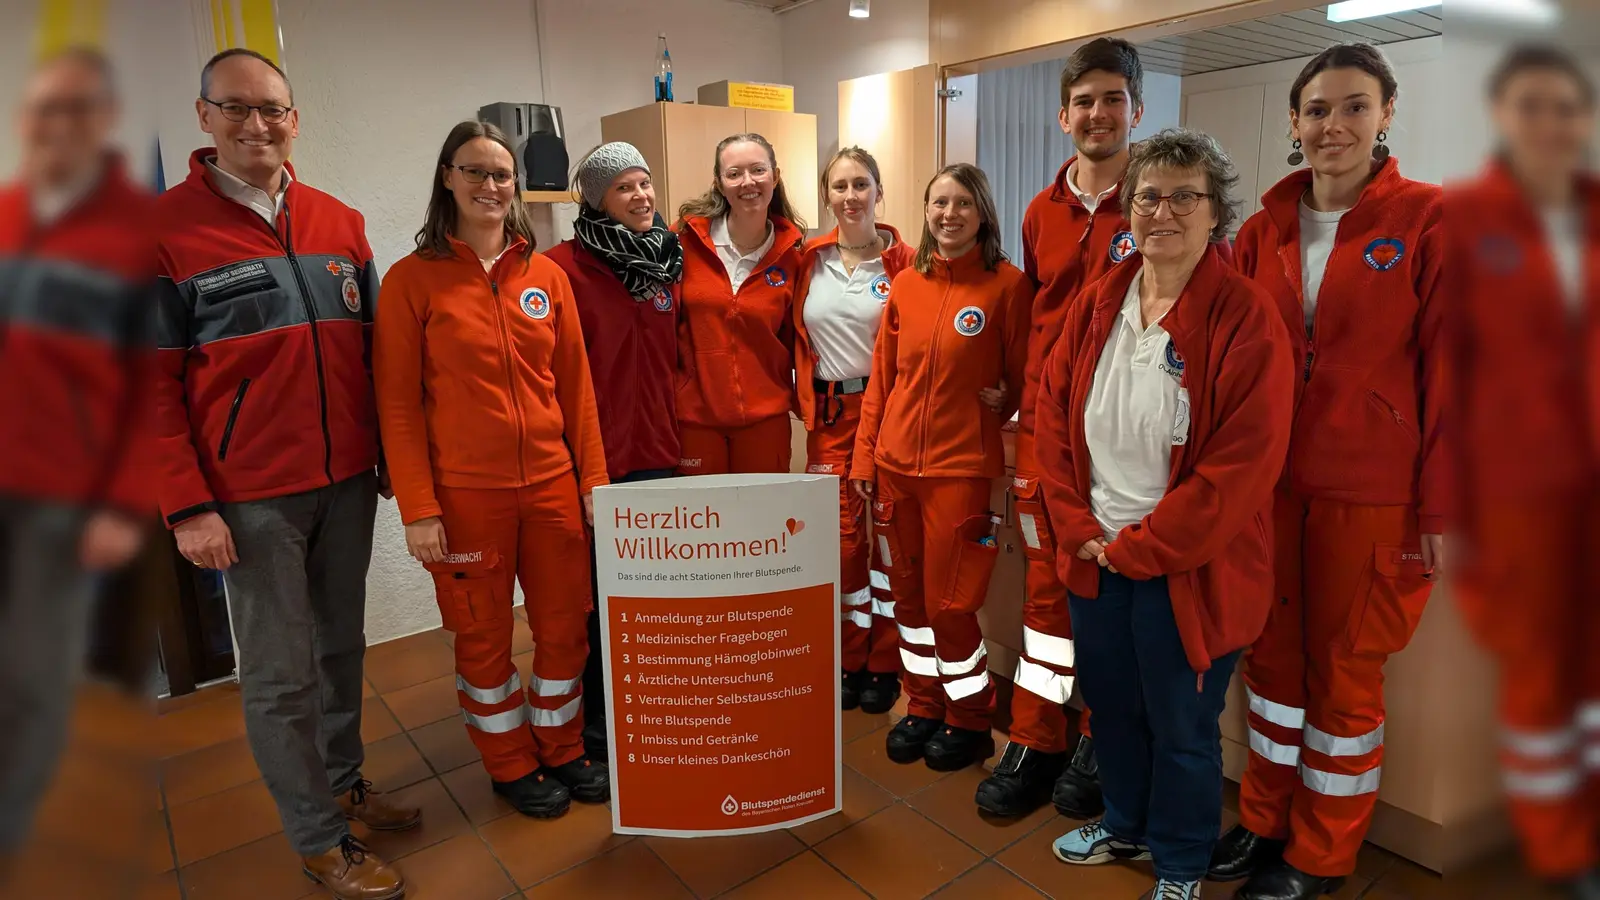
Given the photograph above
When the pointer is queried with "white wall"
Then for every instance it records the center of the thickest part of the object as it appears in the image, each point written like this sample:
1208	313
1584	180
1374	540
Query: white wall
823	46
380	82
1247	111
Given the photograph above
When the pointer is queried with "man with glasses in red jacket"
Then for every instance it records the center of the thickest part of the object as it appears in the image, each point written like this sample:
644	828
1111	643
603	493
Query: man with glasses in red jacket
269	448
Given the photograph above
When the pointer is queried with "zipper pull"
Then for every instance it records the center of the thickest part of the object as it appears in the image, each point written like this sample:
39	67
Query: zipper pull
1398	419
495	287
1310	355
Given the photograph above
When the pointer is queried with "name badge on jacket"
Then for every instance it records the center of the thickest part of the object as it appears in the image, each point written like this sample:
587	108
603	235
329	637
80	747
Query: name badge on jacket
1180	421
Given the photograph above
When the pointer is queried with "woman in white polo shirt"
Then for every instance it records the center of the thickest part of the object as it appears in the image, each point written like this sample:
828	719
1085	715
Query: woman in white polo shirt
838	304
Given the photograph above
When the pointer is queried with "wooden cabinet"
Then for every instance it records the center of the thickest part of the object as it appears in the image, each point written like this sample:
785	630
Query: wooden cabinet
679	141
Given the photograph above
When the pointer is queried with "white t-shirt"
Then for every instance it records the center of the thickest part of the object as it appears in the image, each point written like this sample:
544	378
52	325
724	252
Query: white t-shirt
843	312
1317	231
1563	231
739	266
1135	414
1090	202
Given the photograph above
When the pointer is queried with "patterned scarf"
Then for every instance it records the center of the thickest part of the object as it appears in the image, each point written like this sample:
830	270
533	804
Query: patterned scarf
645	262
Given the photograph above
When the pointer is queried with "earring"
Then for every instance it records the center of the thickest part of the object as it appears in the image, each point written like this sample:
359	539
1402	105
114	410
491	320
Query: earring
1296	158
1380	152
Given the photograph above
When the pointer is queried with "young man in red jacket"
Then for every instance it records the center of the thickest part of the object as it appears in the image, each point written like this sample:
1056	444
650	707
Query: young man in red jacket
1073	233
75	274
268	447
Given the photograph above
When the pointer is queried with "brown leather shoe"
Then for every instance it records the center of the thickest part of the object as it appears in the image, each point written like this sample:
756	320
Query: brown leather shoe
352	872
372	808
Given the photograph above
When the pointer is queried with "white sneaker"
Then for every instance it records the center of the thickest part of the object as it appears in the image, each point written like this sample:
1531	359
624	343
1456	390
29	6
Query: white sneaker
1092	845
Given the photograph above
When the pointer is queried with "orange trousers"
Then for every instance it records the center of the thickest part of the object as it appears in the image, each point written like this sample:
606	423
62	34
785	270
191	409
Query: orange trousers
866	628
1529	598
939	576
1350	592
495	538
1045	671
762	447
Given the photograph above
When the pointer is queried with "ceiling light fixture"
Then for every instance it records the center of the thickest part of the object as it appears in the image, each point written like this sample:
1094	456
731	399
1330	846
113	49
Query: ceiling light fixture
860	9
1351	10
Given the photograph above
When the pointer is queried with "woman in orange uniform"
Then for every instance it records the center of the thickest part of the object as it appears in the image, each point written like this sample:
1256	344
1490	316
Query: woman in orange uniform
954	332
838	305
491	436
1526	243
1350	251
741	253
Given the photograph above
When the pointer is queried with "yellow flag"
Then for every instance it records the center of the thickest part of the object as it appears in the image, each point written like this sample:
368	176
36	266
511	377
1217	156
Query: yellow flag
68	23
251	24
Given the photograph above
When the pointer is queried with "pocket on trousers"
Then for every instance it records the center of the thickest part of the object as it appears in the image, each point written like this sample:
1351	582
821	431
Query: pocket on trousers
1393	595
887	542
971	565
1038	542
471	590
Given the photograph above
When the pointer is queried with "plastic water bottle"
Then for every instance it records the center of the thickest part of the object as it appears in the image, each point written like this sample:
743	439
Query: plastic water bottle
663	71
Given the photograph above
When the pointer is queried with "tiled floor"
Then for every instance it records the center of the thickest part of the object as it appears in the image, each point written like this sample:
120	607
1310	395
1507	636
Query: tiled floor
207	829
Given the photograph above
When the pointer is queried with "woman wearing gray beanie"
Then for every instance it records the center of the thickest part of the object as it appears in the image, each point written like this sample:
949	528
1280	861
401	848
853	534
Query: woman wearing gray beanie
624	265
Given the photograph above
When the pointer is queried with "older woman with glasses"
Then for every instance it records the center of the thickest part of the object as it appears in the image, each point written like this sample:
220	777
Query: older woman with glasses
1162	423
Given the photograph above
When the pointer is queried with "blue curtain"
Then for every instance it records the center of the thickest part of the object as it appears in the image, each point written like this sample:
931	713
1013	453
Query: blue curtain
1020	144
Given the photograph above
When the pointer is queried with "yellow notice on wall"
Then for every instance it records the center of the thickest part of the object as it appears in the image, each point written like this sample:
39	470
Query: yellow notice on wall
749	95
776	97
68	23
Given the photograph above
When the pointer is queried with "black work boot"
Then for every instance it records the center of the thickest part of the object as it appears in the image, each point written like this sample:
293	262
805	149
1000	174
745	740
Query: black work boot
953	749
587	780
1281	881
1077	791
1021	783
879	692
536	795
907	740
1241	853
849	689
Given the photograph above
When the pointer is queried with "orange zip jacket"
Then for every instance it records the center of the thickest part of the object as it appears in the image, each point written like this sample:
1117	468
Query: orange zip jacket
896	259
945	336
736	349
482	377
1367	426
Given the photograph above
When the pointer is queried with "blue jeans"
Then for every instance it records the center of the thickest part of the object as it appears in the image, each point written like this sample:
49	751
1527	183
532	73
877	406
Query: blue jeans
1155	731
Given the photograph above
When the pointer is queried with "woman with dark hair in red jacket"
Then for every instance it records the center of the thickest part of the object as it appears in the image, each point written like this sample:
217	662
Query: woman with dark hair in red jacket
624	265
1350	251
741	252
1525	249
838	306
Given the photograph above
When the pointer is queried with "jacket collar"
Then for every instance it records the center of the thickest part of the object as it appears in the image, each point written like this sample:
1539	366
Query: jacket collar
1282	200
1187	314
785	235
200	174
964	266
466	254
1061	192
110	181
1500	185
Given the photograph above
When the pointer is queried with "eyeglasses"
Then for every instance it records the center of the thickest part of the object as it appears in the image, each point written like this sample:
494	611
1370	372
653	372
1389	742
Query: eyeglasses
1182	203
271	113
475	175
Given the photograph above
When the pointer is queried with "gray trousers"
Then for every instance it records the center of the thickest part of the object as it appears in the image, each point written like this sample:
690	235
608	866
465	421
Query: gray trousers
297	597
45	600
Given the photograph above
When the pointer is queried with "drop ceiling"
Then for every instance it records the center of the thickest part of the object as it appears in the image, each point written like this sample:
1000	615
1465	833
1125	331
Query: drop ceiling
1273	38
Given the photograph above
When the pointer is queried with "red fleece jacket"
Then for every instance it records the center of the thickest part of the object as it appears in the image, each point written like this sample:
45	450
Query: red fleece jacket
1210	534
736	349
1368	404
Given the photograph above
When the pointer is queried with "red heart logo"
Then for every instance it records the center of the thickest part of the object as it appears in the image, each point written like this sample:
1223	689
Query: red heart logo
795	526
1384	254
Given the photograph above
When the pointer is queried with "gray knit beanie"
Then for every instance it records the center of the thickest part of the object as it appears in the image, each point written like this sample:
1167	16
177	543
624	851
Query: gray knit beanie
596	173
